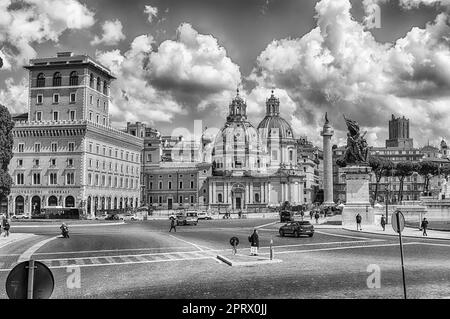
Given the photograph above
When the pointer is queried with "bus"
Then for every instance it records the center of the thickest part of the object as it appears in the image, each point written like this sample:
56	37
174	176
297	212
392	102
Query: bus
58	212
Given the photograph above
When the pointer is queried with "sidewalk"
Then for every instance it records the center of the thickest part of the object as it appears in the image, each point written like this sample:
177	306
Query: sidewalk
410	232
12	238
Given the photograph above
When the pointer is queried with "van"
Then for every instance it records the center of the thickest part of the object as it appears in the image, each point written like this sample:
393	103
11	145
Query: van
286	216
187	218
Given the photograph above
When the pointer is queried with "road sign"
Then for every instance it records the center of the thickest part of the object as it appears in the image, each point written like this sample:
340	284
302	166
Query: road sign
398	224
24	282
234	241
398	221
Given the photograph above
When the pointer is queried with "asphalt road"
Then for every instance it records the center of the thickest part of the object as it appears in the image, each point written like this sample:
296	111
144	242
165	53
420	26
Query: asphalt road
144	260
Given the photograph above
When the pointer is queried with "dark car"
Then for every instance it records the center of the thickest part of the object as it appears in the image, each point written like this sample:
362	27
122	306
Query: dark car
286	216
297	228
113	217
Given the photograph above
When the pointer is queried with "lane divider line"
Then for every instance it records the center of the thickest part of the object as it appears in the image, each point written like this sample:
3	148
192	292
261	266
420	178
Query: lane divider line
30	251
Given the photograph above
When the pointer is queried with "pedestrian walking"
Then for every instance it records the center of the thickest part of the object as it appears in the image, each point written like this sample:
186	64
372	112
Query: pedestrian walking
240	214
383	223
424	226
311	213
302	214
317	216
6	227
254	243
172	225
358	222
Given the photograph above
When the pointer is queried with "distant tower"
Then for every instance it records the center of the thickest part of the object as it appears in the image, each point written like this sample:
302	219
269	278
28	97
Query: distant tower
327	133
399	133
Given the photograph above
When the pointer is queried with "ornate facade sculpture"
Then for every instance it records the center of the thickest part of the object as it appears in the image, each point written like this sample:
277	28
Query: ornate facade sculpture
357	151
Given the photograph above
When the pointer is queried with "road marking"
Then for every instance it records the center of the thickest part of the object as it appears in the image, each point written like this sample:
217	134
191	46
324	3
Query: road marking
202	248
420	243
73	225
335	248
343	236
327	243
30	251
103	250
15	240
272	223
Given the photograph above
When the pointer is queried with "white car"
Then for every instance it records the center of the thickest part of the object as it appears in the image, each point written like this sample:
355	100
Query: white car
132	217
204	215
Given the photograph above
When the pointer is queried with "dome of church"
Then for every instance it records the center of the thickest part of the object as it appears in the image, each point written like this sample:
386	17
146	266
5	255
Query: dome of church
238	144
273	125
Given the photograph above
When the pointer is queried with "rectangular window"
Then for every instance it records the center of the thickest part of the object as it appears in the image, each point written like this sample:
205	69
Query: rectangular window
53	179
91	99
70	161
192	199
181	185
55	116
37	147
38	116
170	185
20	179
53	162
56	98
192	184
39	99
54	147
104	121
36	178
70	178
149	157
19	162
90	116
71	146
72	115
72	97
21	147
36	162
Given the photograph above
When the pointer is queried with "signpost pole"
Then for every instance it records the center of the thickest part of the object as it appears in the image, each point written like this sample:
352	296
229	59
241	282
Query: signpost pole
30	279
271	249
401	253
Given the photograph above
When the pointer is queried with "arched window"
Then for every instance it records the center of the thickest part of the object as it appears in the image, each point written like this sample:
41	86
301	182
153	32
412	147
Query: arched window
20	204
73	78
98	84
70	201
57	79
105	87
52	201
40	81
91	80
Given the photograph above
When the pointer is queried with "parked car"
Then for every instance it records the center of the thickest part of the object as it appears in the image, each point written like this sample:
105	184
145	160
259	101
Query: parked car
187	218
21	217
286	216
113	217
297	228
101	217
204	215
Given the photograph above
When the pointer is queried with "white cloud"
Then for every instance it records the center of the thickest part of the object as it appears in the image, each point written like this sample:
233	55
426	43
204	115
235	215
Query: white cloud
37	21
190	73
339	67
112	33
15	96
152	12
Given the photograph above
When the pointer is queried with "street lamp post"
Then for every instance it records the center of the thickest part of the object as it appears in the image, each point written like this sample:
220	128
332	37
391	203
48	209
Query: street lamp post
386	188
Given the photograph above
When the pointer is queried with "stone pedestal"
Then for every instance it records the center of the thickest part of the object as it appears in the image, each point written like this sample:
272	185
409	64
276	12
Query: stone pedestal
357	196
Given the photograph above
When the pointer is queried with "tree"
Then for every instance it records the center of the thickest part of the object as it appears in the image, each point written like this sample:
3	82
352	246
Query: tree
6	154
402	170
380	167
427	170
445	170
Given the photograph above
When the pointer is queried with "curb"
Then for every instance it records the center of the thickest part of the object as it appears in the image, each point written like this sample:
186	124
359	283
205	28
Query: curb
74	225
247	263
394	235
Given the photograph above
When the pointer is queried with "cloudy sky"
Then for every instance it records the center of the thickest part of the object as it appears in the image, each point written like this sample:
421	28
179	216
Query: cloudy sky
181	61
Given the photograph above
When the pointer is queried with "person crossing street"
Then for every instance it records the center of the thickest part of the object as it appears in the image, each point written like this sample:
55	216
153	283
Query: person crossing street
172	225
358	222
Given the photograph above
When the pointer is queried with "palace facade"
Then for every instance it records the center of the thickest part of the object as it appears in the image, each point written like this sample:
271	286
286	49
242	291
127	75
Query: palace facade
65	151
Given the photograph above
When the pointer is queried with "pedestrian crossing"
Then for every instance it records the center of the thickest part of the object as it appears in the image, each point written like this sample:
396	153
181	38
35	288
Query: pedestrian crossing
125	259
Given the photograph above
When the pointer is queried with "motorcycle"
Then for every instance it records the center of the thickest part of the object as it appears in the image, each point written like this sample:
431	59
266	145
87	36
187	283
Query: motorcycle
65	231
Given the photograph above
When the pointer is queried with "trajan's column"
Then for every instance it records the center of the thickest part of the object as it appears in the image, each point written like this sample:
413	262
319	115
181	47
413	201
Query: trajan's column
327	133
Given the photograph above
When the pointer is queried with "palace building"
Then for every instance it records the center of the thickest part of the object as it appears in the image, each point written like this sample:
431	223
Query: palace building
254	168
66	153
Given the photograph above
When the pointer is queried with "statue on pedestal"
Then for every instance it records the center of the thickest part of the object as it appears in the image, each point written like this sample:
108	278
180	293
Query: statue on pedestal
357	151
